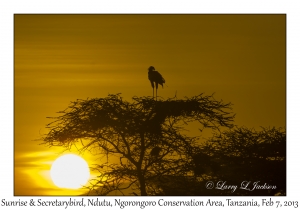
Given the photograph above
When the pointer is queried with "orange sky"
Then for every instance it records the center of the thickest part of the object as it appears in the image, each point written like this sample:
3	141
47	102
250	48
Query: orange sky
61	58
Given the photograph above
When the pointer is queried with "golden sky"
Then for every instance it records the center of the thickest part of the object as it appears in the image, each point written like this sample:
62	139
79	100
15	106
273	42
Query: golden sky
61	58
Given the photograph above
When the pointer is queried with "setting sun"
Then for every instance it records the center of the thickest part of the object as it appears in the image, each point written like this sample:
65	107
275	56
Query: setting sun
81	83
69	171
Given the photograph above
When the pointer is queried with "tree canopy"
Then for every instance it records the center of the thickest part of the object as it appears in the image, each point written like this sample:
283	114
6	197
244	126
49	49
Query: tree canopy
242	155
142	139
148	152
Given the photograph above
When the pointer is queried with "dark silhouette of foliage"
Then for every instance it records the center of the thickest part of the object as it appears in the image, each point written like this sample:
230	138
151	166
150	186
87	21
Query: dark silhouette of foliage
240	155
142	140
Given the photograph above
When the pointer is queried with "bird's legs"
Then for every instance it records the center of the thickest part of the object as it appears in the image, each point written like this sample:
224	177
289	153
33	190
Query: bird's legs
156	86
153	92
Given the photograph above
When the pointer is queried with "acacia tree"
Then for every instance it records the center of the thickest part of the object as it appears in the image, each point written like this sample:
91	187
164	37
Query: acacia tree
242	155
142	140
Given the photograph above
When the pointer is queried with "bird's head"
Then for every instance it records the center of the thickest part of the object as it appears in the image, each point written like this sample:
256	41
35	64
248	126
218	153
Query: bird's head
151	68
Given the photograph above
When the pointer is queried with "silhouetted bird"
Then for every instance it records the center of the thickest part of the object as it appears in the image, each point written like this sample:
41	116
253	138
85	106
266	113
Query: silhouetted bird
155	77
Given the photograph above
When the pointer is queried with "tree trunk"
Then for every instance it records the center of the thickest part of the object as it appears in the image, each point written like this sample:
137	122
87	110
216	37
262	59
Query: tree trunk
139	167
142	182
